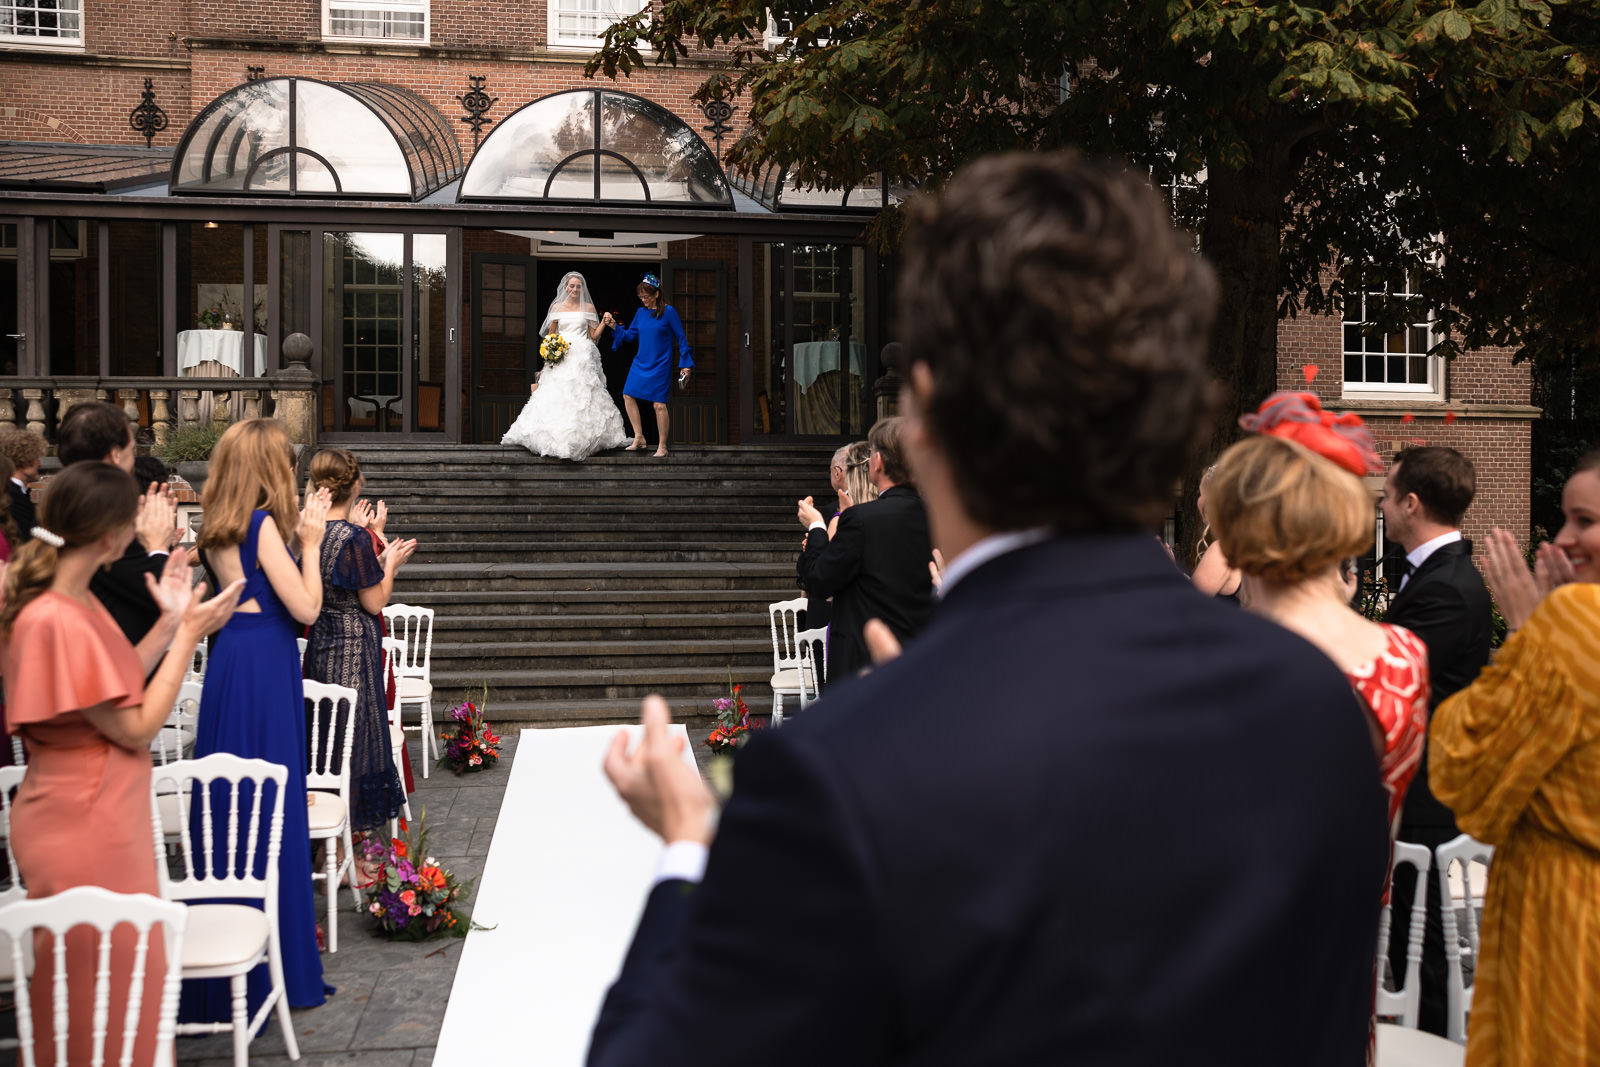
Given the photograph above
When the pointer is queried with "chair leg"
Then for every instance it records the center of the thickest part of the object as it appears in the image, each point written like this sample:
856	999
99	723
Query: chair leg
241	1021
350	864
427	731
332	879
777	708
291	1047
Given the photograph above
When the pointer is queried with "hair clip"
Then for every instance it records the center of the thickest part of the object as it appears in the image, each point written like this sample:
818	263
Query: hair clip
53	540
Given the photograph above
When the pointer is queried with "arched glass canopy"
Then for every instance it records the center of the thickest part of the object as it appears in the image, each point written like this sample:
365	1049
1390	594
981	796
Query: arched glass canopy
596	146
303	137
775	189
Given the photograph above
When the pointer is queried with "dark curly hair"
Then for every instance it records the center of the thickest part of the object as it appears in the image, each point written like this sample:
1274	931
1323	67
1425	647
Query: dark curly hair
1064	320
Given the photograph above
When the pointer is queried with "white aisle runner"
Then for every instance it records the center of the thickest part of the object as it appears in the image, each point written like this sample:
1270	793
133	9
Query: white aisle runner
564	884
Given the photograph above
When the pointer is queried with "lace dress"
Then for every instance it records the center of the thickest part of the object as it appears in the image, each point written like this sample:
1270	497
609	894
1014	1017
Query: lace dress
570	415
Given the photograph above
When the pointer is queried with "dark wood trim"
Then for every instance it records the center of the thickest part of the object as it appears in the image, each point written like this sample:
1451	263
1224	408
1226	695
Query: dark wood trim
747	375
103	296
169	299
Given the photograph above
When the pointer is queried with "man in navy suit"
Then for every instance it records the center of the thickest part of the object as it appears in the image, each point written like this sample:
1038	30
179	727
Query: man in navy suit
1088	816
1441	599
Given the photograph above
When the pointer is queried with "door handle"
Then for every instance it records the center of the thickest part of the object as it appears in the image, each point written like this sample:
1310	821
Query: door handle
17	336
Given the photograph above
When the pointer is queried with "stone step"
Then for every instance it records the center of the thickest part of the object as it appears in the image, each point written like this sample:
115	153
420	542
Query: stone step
601	627
589	577
594	529
620	711
600	654
690	685
556	602
578	550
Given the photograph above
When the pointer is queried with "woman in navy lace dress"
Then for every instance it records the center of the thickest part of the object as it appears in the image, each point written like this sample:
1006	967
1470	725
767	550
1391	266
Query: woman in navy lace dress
345	645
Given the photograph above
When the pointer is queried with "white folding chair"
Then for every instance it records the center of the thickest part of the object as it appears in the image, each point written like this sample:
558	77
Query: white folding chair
197	668
1402	1005
104	911
813	646
331	727
413	676
228	940
301	643
786	666
10	779
1456	891
19	755
393	649
175	740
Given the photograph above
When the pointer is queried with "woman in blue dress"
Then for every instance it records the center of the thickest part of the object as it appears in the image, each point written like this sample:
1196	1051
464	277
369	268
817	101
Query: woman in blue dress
659	332
253	702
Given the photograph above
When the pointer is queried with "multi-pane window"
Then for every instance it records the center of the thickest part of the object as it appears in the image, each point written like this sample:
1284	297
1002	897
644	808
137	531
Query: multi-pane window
1386	341
372	339
816	293
46	22
388	20
581	23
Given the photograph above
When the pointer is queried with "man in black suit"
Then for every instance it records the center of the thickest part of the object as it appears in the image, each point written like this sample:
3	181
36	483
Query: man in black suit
1442	599
1089	816
876	565
97	432
24	449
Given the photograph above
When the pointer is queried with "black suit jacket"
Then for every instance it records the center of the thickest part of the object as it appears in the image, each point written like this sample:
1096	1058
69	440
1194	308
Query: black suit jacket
1446	604
122	590
22	512
1090	816
876	567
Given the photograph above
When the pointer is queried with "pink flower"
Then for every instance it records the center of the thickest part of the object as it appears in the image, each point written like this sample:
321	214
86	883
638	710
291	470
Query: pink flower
476	759
415	909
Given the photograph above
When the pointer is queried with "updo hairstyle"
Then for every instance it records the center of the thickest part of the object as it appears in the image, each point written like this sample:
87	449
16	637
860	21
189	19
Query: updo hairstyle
1283	513
81	504
857	457
338	471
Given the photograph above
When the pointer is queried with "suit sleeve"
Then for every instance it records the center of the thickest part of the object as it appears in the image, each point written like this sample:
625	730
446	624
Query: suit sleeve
779	960
827	566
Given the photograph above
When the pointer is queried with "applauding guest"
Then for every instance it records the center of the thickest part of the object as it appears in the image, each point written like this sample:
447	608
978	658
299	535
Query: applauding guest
75	690
24	449
980	845
253	703
345	645
1516	756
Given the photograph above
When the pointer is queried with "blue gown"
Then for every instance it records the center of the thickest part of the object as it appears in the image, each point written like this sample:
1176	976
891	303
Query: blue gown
253	705
650	377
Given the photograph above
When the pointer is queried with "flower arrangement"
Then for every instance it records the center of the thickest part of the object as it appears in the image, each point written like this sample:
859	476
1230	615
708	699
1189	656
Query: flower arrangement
552	348
733	723
475	746
410	895
211	318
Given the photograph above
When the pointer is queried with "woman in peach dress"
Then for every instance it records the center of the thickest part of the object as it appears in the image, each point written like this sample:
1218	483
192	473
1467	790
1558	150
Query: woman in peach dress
75	691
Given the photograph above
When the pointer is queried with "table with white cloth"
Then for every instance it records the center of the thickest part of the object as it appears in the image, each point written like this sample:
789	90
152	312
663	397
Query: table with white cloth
219	354
812	358
816	370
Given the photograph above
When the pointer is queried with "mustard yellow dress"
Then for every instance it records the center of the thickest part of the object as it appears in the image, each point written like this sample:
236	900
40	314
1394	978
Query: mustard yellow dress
1515	756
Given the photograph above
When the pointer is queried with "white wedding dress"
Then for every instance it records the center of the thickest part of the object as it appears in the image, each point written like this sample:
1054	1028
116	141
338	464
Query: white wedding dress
570	415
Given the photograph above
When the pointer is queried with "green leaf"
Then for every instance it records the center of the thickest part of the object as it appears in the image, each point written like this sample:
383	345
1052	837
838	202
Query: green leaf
1577	66
1456	26
1569	118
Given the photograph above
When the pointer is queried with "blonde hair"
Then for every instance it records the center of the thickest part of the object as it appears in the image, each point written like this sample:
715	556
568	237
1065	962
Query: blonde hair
1283	513
338	471
252	468
857	456
81	504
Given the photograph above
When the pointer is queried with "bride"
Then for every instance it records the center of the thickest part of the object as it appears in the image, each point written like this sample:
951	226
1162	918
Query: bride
570	415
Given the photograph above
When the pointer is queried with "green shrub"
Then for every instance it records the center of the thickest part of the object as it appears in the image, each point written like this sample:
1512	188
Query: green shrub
188	445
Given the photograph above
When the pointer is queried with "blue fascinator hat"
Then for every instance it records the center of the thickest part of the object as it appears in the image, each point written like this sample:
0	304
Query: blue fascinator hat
652	281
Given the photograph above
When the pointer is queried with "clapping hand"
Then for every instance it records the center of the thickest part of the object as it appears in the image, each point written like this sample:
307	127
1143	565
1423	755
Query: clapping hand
380	517
396	553
1515	588
361	513
313	518
157	521
935	571
662	791
807	513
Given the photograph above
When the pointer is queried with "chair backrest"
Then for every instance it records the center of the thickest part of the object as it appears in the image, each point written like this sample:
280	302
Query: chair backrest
19	755
413	628
394	650
813	645
220	802
10	779
301	644
1462	850
104	911
185	716
1403	1004
202	656
785	624
331	728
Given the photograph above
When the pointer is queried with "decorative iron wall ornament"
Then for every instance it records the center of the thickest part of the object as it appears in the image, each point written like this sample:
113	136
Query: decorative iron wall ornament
719	111
477	102
254	73
148	119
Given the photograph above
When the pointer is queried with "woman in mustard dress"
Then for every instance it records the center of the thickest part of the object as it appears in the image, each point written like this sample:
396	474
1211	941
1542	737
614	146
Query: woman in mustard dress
1516	756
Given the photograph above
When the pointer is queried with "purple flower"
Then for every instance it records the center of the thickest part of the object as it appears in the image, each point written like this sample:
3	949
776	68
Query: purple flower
461	712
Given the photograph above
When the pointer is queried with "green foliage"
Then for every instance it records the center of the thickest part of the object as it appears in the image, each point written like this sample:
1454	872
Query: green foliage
189	444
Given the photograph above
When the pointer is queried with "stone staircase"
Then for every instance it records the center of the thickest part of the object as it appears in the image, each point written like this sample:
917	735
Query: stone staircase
575	589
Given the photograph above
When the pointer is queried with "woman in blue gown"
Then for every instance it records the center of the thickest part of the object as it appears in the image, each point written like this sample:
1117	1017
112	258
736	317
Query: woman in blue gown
658	331
252	703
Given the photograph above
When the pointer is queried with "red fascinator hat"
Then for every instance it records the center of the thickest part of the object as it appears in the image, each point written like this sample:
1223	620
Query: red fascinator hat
1298	417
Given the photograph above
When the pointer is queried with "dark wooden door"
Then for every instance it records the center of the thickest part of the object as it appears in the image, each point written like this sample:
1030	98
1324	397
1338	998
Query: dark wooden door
698	289
505	329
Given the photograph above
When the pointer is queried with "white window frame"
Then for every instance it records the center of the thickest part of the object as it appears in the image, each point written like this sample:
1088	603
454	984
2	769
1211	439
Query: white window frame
619	10
52	44
379	7
1433	389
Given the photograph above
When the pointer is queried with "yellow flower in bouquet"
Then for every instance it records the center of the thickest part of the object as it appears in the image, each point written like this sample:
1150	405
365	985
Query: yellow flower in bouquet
552	348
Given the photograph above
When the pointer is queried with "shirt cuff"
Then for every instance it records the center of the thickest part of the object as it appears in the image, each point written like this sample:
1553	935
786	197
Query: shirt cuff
157	552
819	525
681	861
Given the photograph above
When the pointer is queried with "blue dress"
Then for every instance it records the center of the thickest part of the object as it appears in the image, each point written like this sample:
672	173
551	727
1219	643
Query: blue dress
253	705
650	377
345	647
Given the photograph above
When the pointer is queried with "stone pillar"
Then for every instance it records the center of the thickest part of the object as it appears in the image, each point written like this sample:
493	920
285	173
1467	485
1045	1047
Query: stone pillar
161	415
295	392
35	399
887	387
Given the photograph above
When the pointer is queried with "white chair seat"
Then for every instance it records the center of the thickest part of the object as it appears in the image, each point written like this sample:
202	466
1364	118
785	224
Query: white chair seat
411	688
222	936
787	680
171	814
174	739
325	813
1400	1046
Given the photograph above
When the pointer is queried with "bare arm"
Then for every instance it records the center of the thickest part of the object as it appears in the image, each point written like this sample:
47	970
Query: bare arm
300	591
374	598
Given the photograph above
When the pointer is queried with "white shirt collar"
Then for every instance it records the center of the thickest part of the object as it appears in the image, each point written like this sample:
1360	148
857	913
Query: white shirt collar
1419	555
981	552
19	483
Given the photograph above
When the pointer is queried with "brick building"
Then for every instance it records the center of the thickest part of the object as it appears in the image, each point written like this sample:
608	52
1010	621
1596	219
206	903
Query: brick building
416	296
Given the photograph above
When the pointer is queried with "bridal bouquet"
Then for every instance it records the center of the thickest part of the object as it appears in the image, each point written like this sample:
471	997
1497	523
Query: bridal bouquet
475	746
552	348
410	895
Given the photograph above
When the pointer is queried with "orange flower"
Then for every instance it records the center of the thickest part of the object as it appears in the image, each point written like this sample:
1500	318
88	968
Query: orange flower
432	876
400	847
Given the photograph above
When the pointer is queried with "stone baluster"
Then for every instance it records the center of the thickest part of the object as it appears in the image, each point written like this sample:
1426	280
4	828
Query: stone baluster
35	399
295	391
8	408
130	403
188	408
160	415
219	414
250	402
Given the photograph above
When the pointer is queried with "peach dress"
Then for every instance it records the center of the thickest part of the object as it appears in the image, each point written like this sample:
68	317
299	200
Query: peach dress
82	815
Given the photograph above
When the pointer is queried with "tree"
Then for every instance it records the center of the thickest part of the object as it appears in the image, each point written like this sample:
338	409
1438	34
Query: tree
1344	145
